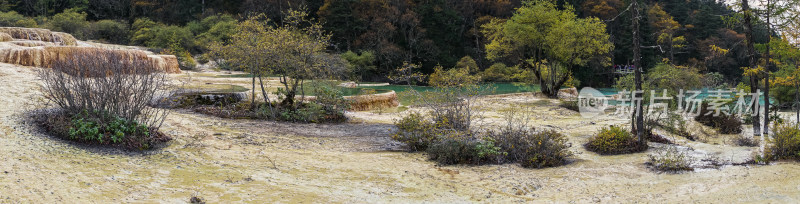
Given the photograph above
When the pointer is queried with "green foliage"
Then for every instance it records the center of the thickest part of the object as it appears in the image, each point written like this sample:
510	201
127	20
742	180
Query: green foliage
468	63
177	40
439	31
465	151
70	21
551	41
663	77
499	72
142	30
215	28
614	140
359	66
416	131
169	37
14	19
785	142
533	149
332	102
714	80
454	77
569	104
185	59
295	51
96	127
110	31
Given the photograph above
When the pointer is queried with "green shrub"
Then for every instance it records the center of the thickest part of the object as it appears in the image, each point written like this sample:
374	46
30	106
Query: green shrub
451	77
785	142
217	28
155	35
416	131
517	142
110	31
166	36
102	128
569	104
663	76
464	150
669	160
70	21
499	72
185	60
142	29
14	19
534	149
332	101
614	140
359	65
469	64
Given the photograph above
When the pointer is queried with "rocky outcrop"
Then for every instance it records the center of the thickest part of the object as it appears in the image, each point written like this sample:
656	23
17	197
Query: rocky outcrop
39	34
43	56
40	47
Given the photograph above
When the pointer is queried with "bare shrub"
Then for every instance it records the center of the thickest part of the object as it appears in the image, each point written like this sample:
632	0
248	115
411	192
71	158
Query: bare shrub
525	144
105	82
724	123
745	140
670	159
449	135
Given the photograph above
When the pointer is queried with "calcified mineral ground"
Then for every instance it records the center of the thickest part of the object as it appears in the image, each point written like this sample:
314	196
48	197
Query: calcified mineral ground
225	160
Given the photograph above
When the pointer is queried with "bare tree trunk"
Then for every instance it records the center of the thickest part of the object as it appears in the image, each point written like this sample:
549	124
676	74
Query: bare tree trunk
638	72
751	53
266	97
253	90
671	50
766	72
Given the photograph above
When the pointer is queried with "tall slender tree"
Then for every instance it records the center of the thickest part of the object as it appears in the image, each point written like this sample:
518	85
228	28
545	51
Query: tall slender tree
751	56
637	63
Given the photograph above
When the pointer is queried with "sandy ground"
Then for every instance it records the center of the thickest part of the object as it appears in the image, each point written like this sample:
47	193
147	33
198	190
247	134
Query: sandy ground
248	161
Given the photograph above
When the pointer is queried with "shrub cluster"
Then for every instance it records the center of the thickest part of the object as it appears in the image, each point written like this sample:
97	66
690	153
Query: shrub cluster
785	142
499	72
328	107
724	123
744	140
416	132
569	104
103	97
465	150
102	128
534	149
614	140
531	148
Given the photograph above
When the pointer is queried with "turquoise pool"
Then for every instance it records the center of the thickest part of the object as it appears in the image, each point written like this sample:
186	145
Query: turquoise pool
492	89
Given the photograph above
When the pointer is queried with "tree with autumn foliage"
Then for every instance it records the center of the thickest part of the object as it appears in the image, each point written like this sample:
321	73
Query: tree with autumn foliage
549	41
666	30
295	51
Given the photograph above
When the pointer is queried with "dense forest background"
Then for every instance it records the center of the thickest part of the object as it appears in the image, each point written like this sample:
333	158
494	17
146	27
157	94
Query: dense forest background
429	32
